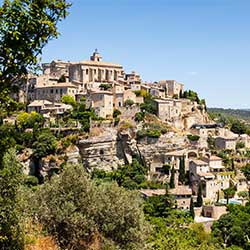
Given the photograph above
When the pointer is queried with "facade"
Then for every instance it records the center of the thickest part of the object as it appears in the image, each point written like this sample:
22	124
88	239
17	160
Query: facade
54	93
172	87
167	109
102	102
95	70
182	196
47	107
225	142
56	68
133	79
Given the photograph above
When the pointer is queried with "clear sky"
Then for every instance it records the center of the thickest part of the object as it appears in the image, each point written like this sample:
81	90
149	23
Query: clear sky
203	43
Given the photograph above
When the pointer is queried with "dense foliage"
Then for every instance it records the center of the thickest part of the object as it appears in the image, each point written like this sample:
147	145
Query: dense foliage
233	229
75	211
25	28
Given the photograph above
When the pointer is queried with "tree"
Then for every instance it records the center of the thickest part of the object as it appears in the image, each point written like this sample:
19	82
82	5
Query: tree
182	173
76	211
25	28
44	145
10	180
128	102
105	86
29	120
62	78
191	208
116	113
199	196
229	193
246	171
172	178
233	229
70	100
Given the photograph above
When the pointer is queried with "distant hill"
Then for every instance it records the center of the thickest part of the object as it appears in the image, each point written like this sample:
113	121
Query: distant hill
243	114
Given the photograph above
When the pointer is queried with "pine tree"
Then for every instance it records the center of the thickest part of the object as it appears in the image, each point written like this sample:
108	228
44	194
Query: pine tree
191	208
199	196
172	177
182	173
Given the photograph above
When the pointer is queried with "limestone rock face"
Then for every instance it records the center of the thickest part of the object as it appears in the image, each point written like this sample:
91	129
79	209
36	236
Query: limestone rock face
101	152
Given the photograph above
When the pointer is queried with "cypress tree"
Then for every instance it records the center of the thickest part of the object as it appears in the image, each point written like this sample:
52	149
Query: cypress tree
199	196
171	184
191	208
182	170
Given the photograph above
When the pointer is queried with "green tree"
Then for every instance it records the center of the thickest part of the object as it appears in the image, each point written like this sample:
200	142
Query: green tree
246	171
105	86
128	103
233	229
11	236
199	196
182	172
172	178
191	208
70	100
229	193
44	145
116	113
75	210
62	79
25	28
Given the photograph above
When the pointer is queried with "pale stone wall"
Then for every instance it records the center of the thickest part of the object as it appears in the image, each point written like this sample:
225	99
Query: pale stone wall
54	93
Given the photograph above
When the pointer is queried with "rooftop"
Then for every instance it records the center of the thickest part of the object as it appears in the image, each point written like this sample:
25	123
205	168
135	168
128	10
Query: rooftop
152	192
181	190
199	162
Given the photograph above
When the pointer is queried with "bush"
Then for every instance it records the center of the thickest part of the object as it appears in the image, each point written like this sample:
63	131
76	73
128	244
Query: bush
153	133
139	116
193	138
105	86
73	209
128	103
116	113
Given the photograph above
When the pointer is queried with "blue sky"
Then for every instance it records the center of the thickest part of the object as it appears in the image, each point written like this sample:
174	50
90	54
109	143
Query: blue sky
203	43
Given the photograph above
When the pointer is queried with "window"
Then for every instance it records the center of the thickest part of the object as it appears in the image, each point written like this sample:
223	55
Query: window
56	91
87	71
51	91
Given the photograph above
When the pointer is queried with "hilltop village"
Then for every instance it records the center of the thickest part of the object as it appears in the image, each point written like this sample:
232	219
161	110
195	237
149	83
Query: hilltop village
109	118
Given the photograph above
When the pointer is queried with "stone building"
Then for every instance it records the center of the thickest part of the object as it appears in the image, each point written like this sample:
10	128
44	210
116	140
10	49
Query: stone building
102	102
182	196
172	87
55	92
211	174
95	70
56	68
47	107
226	142
133	80
167	109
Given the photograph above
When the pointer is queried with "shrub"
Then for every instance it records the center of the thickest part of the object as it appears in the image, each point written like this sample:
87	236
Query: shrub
193	138
128	103
139	116
116	113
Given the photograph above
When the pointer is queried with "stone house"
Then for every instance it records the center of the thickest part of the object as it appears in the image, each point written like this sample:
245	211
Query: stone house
102	102
95	70
167	109
54	93
225	142
47	107
182	196
172	87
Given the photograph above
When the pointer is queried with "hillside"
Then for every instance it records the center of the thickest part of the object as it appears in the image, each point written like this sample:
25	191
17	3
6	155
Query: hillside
243	114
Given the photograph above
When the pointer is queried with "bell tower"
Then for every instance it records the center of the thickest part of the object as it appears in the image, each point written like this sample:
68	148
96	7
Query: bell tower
96	57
